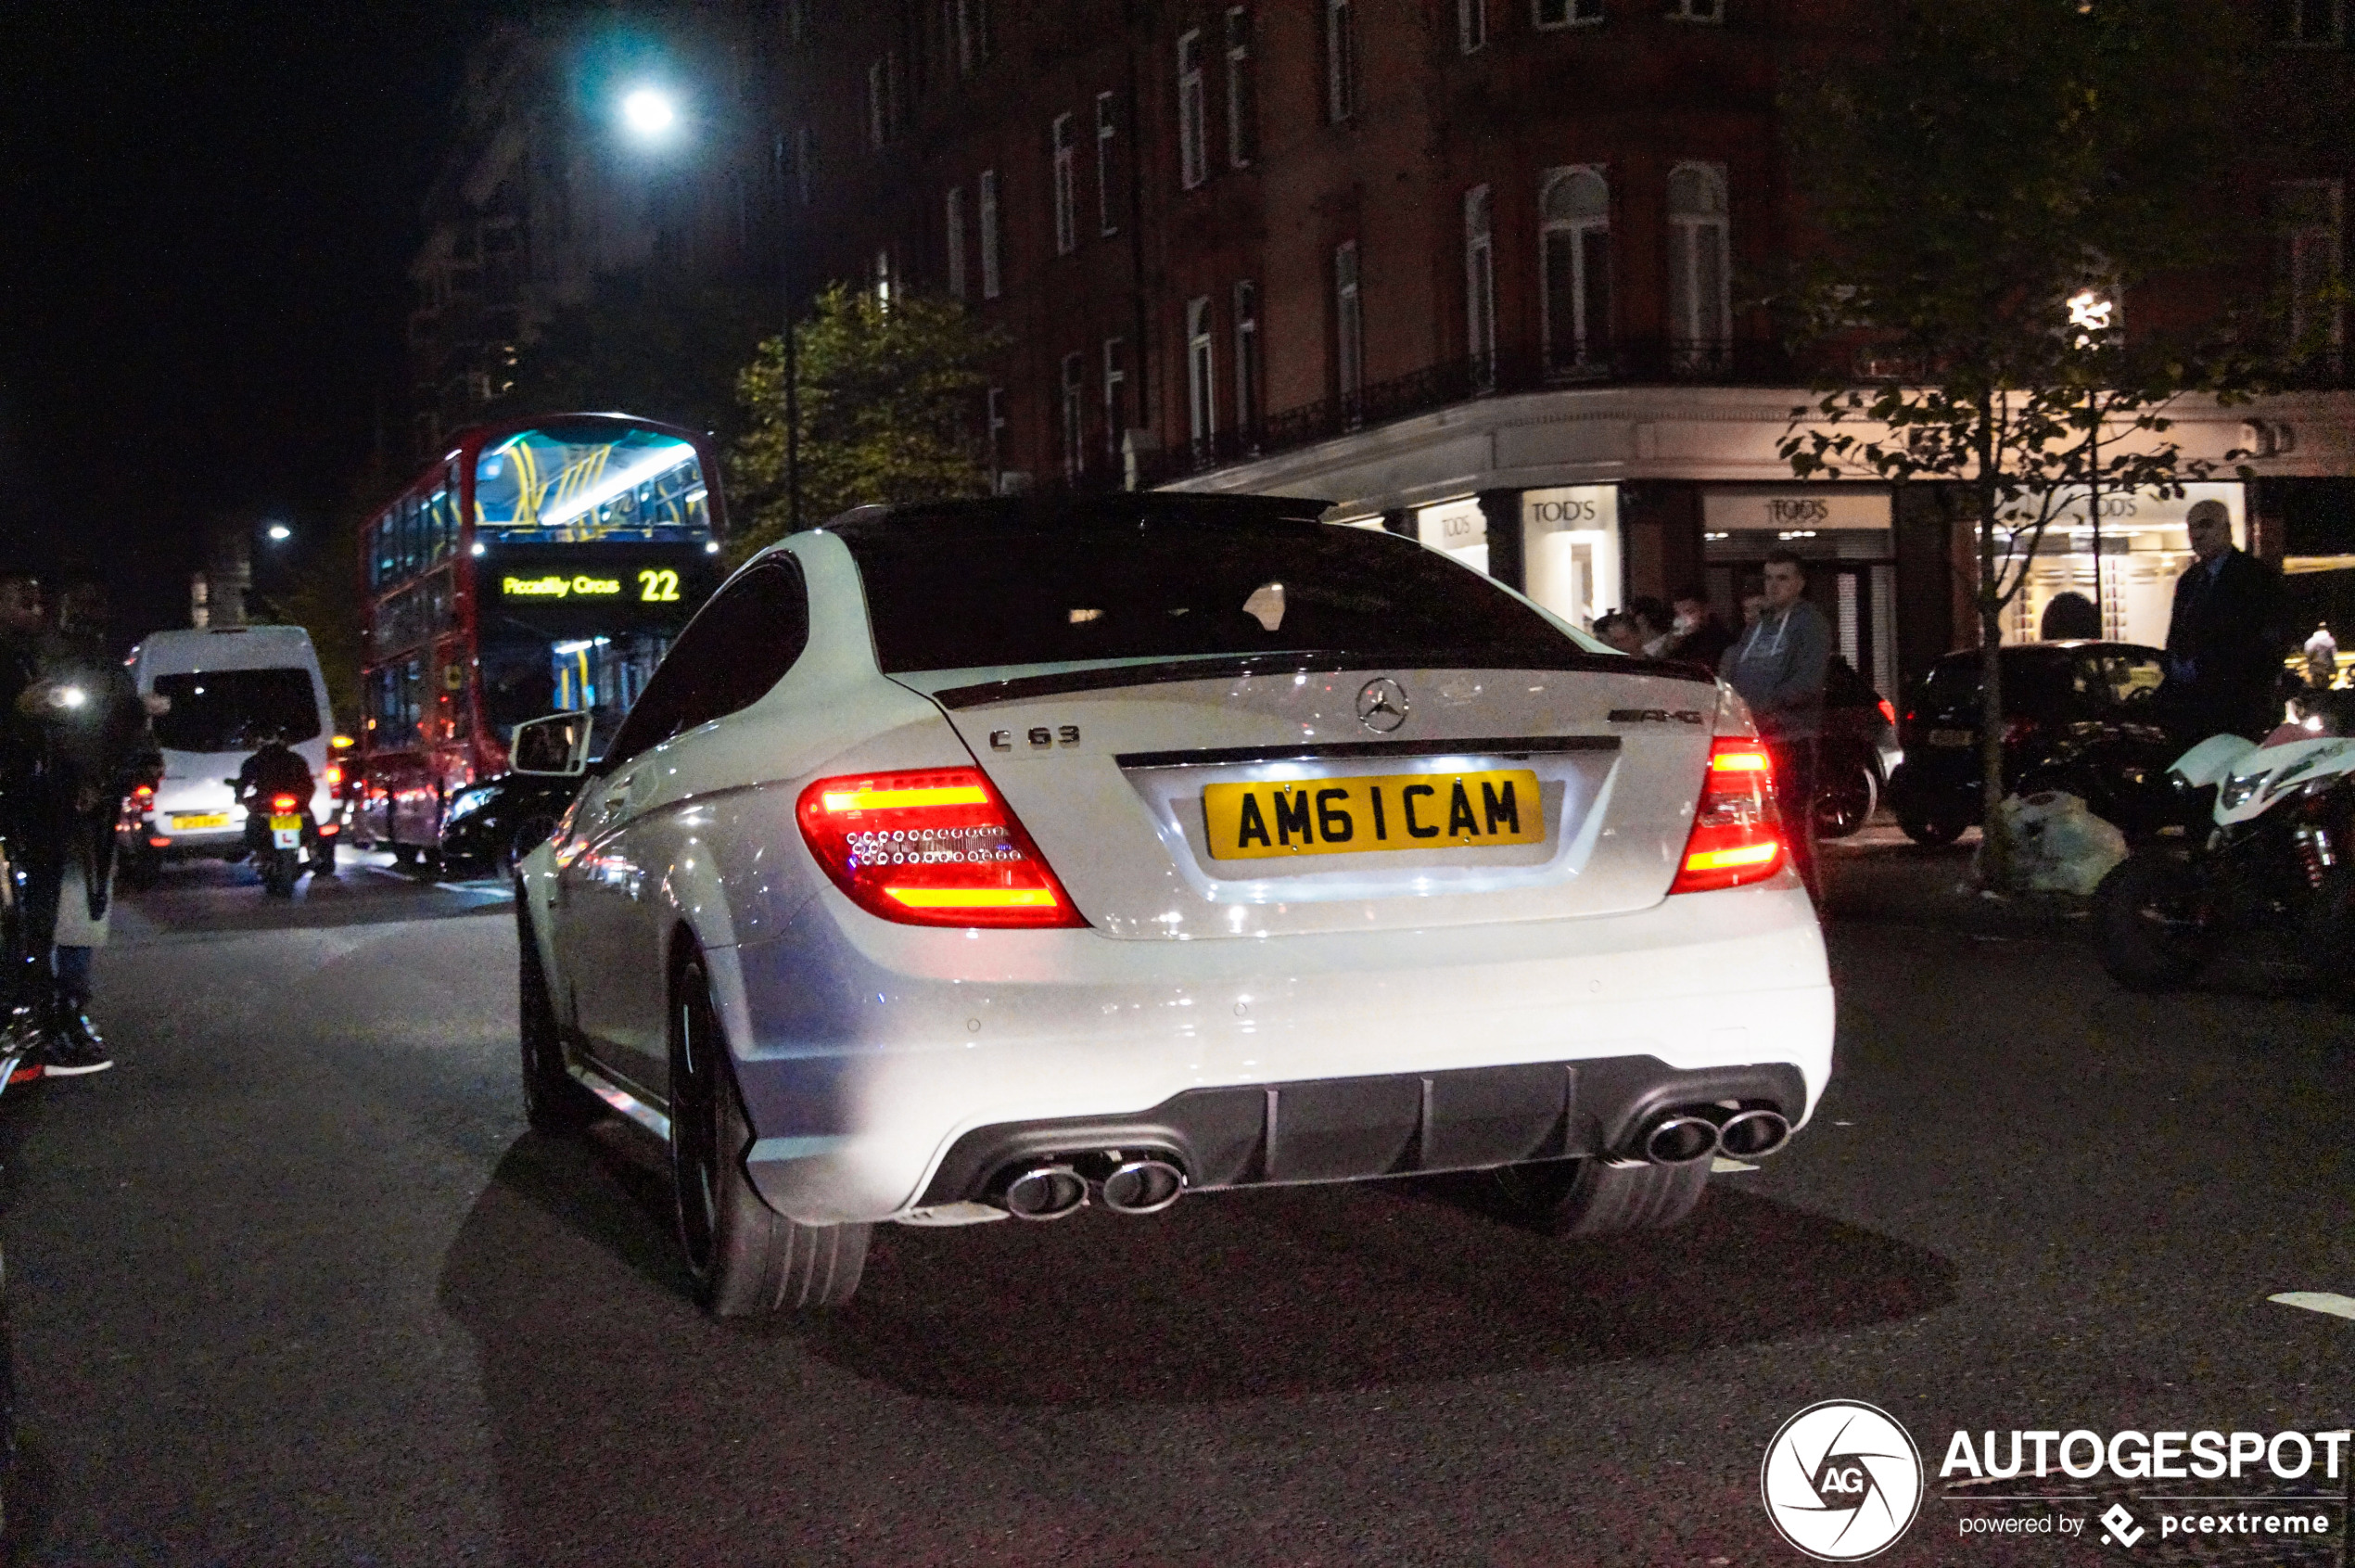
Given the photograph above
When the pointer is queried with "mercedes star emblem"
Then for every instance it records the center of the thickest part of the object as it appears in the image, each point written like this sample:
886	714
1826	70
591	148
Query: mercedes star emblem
1382	705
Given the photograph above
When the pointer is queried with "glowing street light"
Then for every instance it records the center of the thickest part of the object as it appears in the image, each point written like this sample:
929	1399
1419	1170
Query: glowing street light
649	113
278	534
2089	312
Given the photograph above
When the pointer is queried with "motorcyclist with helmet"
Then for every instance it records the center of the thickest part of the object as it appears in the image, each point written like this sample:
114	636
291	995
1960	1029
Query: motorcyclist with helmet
277	768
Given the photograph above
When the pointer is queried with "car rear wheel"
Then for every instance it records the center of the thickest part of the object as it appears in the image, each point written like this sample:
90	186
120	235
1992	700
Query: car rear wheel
1844	801
745	1257
2155	935
1936	832
552	1101
1594	1197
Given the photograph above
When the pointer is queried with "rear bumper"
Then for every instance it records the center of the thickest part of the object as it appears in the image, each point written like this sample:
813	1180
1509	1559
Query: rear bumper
888	1067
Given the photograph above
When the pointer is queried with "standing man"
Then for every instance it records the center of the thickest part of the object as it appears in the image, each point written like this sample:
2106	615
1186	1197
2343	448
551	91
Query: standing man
1700	638
1778	667
2224	642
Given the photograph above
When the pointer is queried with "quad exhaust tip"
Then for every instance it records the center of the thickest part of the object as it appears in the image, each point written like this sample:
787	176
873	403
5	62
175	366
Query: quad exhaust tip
1048	1191
1142	1186
1694	1132
1749	1134
1680	1139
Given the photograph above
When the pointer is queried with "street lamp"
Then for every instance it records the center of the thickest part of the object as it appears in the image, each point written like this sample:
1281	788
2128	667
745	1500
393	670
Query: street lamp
278	534
650	115
2089	312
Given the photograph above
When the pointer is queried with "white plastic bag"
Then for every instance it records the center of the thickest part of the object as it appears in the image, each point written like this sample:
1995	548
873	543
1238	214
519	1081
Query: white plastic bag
2058	845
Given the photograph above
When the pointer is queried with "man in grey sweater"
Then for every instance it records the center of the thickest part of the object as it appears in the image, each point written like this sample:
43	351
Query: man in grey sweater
1778	669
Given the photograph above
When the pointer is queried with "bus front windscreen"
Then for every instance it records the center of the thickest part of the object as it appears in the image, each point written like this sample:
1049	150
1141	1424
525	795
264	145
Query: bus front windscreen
527	673
591	480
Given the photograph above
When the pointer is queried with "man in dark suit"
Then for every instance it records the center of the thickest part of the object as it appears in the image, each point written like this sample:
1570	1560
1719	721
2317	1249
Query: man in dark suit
2224	643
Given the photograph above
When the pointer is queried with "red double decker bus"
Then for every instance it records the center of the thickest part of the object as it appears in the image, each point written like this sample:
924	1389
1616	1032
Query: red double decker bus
541	566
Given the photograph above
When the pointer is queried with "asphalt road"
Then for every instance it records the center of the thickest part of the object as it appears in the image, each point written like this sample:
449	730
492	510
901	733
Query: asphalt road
293	1285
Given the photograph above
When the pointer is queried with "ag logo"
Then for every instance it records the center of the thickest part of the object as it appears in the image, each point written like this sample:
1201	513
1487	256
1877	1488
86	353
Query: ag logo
1842	1481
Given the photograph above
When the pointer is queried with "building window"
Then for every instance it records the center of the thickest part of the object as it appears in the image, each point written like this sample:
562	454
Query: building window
801	172
1697	10
1349	324
989	275
1066	187
1341	60
1471	26
1075	388
1480	288
973	35
1575	260
1202	408
1243	90
1193	154
1115	397
955	225
1247	372
994	424
1107	219
1568	13
2309	23
875	104
1700	265
2309	214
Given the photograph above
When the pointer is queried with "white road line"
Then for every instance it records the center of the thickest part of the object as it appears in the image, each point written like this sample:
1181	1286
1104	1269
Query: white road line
1722	1164
2318	1301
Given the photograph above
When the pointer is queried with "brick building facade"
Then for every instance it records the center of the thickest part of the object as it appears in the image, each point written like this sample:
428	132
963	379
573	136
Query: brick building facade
1467	268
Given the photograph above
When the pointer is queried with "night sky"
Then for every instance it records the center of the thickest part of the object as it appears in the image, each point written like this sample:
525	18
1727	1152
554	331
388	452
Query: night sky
209	206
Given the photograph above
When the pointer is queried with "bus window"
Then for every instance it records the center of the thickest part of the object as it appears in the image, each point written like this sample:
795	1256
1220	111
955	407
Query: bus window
588	482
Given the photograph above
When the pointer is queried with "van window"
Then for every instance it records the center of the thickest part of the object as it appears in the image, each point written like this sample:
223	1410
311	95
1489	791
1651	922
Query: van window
229	709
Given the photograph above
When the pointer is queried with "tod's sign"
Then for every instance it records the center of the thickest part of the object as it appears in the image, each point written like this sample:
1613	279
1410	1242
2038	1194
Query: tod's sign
1792	510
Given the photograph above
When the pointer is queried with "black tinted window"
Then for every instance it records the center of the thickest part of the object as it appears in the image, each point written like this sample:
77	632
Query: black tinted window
230	709
738	646
968	588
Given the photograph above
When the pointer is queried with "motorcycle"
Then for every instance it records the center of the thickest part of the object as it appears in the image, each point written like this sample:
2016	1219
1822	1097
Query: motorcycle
279	856
2276	852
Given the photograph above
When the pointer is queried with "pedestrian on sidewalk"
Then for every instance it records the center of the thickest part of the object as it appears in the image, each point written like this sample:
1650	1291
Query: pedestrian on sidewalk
1778	668
2226	637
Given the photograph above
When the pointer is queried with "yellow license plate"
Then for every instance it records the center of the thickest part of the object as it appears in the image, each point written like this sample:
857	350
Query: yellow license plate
186	820
1359	816
285	825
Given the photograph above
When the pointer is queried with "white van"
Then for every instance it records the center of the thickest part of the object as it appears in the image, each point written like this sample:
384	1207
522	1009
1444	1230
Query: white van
227	687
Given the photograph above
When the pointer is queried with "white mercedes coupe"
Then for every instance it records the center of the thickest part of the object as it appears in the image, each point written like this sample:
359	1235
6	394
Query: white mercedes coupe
988	859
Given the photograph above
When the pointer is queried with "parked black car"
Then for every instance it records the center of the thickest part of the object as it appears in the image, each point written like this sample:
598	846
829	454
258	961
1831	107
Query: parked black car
1856	753
489	824
2082	717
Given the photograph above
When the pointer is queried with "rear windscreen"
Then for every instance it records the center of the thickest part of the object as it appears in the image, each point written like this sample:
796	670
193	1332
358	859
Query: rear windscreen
965	592
233	709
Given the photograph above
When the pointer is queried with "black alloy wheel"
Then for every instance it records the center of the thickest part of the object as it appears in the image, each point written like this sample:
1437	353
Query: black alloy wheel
1845	799
743	1258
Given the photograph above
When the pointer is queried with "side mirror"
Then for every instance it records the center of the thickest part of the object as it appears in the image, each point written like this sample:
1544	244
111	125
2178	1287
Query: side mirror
557	746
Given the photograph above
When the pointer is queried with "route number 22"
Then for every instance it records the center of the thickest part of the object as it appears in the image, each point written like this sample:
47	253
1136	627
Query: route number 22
658	587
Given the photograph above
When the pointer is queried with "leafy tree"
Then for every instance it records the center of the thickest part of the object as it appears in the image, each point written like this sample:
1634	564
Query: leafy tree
886	397
1981	188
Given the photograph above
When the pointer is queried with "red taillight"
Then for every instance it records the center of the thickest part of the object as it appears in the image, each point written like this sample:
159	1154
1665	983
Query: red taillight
282	804
1737	835
1887	711
937	847
2019	731
144	793
334	773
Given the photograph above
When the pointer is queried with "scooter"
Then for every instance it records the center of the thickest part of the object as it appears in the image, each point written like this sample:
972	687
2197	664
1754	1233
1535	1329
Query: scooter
279	857
2276	851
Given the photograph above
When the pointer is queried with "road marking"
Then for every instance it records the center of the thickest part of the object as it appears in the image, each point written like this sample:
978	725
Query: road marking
1722	1164
2318	1301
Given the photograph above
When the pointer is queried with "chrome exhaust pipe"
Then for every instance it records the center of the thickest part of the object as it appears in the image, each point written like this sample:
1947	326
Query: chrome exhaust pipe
1146	1185
1679	1139
1750	1134
1047	1192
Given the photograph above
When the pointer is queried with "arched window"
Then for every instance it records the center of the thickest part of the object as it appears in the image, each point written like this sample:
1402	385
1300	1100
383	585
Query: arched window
1480	288
1576	240
1701	327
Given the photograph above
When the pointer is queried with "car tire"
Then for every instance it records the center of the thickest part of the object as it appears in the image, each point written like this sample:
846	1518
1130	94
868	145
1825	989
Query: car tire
1595	1197
744	1258
1934	832
2154	937
552	1101
1844	802
405	856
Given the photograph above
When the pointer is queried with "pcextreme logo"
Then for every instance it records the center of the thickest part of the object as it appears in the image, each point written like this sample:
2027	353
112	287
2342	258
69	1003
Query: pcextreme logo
1842	1481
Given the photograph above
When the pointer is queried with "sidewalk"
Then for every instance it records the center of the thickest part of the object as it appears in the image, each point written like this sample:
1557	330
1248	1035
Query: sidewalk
1879	876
